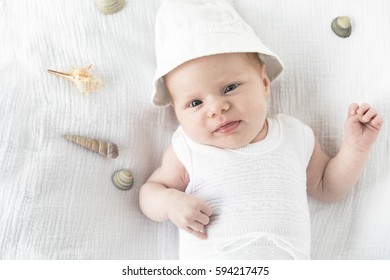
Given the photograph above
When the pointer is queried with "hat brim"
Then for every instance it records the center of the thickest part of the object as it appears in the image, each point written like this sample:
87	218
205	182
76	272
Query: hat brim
210	44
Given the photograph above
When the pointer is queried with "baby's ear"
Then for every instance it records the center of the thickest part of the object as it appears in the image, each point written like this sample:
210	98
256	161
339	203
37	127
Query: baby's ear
266	81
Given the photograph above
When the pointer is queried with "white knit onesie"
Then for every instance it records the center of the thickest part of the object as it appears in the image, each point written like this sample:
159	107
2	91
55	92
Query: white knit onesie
257	193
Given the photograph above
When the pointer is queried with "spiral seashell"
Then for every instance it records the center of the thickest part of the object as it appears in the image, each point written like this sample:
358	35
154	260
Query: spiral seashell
106	149
109	7
341	26
84	81
123	179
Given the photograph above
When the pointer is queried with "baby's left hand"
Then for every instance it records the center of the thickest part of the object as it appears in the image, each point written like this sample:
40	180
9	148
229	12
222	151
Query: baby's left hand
362	126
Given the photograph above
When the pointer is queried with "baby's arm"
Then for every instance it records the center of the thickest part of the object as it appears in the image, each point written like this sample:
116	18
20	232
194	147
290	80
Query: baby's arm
330	179
162	197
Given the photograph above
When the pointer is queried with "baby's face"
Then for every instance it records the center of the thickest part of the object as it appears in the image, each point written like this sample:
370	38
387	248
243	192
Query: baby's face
220	100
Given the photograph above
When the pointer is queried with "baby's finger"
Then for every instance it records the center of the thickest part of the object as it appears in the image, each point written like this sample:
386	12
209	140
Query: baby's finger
200	235
363	108
203	219
379	119
377	122
196	226
206	209
197	233
352	109
369	115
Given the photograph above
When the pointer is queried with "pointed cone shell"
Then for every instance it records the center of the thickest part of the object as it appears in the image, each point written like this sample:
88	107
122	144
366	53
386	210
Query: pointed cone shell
122	179
109	7
106	149
84	81
341	26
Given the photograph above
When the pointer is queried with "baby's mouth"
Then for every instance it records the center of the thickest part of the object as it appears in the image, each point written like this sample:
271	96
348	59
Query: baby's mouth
228	127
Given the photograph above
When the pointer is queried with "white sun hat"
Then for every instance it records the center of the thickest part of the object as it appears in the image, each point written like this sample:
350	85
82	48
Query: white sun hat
190	29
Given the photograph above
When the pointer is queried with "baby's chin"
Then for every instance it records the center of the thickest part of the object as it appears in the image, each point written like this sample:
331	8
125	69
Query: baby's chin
232	141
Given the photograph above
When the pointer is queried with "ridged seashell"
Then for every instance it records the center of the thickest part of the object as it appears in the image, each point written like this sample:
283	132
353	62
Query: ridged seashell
109	7
106	149
122	179
84	81
341	26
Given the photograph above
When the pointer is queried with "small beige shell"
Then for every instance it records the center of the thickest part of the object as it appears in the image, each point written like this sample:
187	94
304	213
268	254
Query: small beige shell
84	81
109	7
106	149
122	179
341	26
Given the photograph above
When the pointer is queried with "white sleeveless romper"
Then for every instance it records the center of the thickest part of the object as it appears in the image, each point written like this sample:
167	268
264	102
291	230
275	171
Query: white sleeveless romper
257	192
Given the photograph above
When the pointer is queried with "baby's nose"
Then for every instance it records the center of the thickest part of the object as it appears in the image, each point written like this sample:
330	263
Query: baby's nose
218	106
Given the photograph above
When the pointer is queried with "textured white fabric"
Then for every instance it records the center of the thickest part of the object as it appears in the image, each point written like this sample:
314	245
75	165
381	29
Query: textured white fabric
257	193
57	200
189	29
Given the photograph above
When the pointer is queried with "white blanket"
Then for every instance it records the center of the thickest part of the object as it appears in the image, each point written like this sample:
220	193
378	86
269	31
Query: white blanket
57	200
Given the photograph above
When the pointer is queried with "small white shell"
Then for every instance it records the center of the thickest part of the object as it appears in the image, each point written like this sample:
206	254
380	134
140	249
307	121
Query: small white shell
88	85
109	7
122	179
341	26
84	81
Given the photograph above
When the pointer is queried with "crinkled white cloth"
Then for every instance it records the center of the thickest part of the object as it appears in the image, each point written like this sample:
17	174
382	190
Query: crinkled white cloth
57	200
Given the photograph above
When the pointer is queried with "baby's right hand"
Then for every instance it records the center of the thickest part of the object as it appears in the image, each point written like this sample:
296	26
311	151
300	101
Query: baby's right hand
188	213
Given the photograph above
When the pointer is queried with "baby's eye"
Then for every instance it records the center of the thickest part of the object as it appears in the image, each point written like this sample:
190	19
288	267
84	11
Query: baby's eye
230	88
195	103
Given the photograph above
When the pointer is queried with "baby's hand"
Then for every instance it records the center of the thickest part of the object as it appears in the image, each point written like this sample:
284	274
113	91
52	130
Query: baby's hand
362	126
188	213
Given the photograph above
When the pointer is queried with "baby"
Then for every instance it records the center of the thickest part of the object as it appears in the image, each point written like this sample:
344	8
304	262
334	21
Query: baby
235	180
